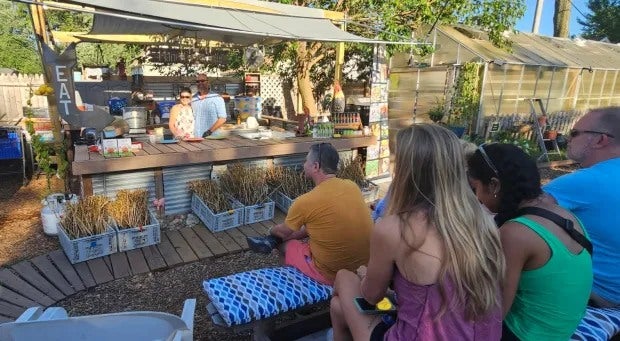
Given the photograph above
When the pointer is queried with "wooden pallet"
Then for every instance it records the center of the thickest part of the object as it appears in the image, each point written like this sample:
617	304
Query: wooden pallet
47	279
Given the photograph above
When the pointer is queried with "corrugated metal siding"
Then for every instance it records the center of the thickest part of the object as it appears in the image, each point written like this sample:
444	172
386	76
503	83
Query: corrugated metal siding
258	162
347	154
295	161
178	197
109	184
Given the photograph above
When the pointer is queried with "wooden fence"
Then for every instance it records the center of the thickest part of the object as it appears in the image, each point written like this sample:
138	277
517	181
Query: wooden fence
561	121
14	94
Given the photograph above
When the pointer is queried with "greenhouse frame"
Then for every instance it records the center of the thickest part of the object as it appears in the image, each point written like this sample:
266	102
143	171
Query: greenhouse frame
570	76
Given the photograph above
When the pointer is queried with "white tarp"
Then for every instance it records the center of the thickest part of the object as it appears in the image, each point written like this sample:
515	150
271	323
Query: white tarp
165	17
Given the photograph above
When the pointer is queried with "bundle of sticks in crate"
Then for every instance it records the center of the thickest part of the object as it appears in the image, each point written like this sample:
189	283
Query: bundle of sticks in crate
87	217
290	182
93	215
130	208
353	170
246	184
211	193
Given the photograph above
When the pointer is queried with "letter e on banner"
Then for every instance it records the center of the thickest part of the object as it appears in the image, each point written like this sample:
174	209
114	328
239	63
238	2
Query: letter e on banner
60	73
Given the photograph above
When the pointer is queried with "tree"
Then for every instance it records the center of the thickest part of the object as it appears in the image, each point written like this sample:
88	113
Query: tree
561	18
376	18
19	50
89	53
603	21
18	46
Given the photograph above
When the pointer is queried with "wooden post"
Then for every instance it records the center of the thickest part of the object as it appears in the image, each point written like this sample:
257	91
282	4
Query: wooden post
41	33
87	185
159	187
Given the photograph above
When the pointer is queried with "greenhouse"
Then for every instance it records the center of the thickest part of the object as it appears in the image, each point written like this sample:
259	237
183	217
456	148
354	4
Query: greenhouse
569	76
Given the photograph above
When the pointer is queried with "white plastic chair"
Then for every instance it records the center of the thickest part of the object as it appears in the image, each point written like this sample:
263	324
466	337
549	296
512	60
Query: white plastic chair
54	324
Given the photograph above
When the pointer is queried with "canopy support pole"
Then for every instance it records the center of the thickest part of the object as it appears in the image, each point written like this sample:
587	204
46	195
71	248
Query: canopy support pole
339	57
37	15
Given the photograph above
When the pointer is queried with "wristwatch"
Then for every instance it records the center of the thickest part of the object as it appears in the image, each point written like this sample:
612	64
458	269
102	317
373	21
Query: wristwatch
206	133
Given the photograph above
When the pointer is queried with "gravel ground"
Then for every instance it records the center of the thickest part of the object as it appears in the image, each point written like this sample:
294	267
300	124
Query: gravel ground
21	233
21	237
167	290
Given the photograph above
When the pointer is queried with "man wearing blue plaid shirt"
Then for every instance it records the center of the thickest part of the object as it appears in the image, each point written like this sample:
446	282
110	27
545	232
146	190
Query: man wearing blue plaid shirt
208	107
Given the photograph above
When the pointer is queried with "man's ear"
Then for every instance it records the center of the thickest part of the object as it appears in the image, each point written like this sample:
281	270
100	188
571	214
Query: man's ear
602	141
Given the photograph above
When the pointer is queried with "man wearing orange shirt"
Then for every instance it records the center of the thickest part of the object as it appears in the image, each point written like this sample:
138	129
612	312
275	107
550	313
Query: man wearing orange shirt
333	216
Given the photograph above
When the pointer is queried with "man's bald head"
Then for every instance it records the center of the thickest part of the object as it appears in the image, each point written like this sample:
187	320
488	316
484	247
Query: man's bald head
607	119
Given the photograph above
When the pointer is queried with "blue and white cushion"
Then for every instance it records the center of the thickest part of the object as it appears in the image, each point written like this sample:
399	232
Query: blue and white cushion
257	294
598	324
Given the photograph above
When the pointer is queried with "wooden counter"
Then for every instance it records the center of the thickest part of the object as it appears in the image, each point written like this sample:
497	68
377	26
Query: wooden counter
157	156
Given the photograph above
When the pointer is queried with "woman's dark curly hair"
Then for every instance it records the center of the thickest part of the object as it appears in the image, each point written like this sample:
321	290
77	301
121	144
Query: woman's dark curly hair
518	176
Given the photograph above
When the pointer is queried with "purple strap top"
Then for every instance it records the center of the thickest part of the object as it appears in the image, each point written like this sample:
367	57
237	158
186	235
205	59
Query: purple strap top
417	310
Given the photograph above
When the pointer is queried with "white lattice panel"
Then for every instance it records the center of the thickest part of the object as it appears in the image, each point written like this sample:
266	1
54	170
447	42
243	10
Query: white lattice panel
272	91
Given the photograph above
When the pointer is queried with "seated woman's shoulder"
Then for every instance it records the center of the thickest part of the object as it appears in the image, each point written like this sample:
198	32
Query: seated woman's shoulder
388	223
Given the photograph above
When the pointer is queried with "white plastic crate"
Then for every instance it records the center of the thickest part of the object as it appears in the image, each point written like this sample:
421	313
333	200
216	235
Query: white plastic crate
256	213
221	221
371	192
283	202
85	248
137	237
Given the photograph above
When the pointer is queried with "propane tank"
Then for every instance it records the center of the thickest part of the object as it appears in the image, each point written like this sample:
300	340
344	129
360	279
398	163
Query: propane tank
53	209
50	220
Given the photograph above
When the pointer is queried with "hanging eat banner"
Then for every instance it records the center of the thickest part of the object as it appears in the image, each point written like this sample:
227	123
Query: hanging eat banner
60	68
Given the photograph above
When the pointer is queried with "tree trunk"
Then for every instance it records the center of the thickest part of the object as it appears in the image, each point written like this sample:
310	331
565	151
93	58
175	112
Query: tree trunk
561	18
304	84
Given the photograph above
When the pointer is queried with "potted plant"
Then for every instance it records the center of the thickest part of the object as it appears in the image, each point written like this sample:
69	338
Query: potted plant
436	113
214	208
136	225
550	134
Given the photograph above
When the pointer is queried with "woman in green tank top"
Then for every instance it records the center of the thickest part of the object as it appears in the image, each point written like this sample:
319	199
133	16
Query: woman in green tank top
548	271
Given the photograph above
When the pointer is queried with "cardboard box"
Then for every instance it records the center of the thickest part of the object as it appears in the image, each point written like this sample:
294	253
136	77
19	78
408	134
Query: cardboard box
124	147
110	147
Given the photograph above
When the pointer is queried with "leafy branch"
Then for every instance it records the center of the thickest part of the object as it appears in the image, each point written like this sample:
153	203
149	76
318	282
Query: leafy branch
43	150
466	98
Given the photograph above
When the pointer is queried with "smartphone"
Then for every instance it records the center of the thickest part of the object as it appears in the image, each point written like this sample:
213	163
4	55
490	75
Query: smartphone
371	309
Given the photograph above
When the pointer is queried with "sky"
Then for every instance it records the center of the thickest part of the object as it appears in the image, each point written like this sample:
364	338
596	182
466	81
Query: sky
546	21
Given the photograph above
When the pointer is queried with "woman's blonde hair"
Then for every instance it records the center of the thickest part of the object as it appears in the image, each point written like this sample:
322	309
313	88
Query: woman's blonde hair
430	176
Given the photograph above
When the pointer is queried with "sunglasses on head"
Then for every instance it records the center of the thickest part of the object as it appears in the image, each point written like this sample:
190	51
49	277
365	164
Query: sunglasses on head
319	153
576	132
487	159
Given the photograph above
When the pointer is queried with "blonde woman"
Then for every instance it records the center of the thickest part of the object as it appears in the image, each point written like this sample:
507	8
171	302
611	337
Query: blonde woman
182	117
437	247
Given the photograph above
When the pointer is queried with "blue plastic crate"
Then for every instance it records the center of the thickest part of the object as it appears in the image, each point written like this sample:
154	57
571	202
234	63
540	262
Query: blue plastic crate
220	221
116	105
164	107
10	143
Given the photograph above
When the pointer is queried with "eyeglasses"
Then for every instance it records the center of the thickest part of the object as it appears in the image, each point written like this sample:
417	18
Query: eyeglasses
575	132
487	159
201	81
319	153
186	96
